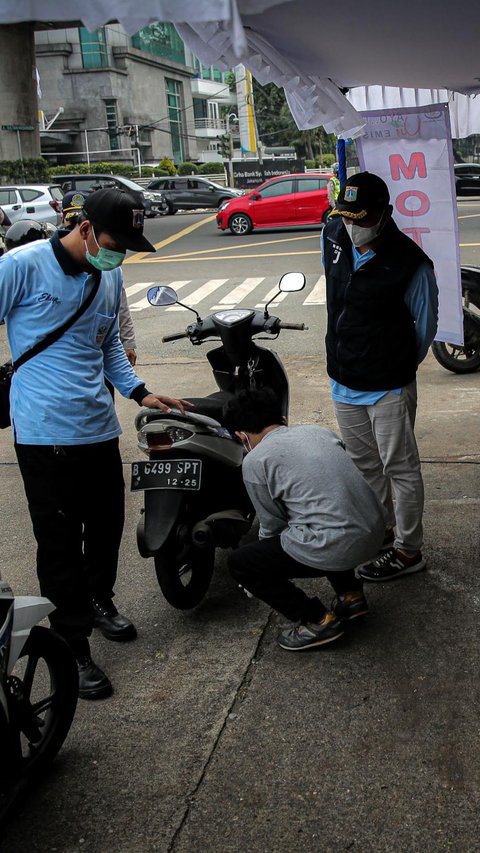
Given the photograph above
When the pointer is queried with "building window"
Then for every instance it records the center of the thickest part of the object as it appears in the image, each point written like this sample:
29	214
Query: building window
93	48
175	114
160	39
112	123
207	72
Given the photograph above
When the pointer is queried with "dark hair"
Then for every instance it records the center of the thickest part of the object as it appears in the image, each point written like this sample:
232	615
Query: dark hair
252	411
82	217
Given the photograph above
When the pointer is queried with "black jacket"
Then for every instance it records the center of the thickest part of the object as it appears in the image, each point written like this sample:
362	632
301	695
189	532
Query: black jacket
371	344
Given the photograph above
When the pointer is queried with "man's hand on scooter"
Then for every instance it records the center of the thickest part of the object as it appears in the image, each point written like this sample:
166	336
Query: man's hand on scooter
166	404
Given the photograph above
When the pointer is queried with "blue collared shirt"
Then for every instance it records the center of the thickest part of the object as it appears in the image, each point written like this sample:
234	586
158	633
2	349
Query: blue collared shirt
59	396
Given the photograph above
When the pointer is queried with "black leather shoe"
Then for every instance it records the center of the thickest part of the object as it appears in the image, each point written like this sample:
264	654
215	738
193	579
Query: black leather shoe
110	622
92	681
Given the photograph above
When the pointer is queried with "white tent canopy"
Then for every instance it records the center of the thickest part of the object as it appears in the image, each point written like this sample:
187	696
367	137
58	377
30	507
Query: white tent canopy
309	47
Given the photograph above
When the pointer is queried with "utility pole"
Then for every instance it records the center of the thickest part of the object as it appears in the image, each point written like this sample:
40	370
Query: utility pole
234	117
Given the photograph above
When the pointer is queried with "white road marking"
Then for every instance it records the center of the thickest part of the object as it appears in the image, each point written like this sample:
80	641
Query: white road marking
239	293
317	296
201	293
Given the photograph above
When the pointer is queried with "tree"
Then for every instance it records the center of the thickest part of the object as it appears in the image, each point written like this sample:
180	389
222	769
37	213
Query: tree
277	127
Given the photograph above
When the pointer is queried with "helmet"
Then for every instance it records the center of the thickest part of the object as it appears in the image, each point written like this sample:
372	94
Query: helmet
24	231
335	168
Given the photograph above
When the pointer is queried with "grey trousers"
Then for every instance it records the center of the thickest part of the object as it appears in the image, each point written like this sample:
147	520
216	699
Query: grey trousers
381	441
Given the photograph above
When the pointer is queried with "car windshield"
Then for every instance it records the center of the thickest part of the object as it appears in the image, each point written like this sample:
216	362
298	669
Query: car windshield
131	185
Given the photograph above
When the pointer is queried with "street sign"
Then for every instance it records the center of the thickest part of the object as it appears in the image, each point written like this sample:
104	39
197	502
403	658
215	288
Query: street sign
17	127
249	173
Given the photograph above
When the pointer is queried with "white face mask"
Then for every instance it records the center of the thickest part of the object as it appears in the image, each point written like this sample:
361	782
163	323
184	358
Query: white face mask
361	236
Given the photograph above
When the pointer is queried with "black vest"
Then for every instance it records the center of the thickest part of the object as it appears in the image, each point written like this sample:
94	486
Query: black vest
370	340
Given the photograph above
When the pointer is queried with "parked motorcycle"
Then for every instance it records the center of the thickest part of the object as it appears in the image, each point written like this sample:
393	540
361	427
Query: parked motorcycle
466	358
195	500
38	693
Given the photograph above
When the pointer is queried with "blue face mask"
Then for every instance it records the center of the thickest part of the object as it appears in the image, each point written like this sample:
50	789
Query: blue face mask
105	259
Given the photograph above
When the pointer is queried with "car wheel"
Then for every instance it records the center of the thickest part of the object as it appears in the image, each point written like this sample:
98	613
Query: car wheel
171	210
240	224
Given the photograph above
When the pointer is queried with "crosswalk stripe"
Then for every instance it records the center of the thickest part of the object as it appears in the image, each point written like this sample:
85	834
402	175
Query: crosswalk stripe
201	293
269	295
239	293
135	288
317	296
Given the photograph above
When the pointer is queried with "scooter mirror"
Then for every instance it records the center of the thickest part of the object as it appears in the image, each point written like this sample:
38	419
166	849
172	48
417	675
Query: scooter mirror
160	295
292	281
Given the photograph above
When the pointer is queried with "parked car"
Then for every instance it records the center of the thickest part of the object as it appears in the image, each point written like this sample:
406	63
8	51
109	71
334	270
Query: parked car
467	178
191	193
42	202
287	200
154	202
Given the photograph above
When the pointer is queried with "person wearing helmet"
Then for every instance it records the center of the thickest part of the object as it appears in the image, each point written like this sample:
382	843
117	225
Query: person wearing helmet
333	187
24	231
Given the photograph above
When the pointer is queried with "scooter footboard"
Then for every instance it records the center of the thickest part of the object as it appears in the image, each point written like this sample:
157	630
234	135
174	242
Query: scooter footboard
161	512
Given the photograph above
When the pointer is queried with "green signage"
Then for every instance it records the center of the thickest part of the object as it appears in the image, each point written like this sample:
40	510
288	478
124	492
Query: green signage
18	127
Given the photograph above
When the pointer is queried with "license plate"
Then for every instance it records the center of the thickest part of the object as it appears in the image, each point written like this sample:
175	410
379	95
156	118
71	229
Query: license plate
184	474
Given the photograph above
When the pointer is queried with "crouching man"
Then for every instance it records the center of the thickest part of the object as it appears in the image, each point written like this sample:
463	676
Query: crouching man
318	517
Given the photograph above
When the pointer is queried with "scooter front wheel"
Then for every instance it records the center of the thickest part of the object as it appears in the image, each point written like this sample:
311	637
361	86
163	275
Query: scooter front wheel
42	698
183	571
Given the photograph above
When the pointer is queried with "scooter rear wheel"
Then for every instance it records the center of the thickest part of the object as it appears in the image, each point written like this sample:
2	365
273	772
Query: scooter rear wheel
461	359
183	571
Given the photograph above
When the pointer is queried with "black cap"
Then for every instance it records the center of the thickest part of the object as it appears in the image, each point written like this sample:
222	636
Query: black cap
362	194
121	215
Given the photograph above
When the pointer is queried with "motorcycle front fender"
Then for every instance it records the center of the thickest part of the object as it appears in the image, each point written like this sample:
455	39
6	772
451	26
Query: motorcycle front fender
161	512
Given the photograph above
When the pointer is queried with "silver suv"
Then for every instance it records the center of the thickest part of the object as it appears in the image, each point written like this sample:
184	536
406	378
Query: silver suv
42	202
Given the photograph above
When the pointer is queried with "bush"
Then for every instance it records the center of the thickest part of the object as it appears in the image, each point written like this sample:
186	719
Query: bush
215	167
187	168
328	160
34	170
310	164
168	165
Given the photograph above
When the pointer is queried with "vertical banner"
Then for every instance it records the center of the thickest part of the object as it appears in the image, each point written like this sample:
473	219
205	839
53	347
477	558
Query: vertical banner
411	149
246	116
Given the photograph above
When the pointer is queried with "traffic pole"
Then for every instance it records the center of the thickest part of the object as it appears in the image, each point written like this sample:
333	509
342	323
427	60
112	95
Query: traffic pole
342	161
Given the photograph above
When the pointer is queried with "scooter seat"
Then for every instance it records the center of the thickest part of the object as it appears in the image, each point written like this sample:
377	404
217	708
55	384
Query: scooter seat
207	412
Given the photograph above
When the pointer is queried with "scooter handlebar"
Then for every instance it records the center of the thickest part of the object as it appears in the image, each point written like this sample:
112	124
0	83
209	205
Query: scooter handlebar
301	327
176	336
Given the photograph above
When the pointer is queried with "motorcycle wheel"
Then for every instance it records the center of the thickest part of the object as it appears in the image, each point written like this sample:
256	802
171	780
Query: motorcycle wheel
460	359
183	571
42	698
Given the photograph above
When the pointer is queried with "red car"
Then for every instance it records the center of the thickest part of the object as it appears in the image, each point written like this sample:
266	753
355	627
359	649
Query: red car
288	200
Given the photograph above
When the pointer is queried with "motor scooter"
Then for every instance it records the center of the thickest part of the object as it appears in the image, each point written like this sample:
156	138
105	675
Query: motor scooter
38	693
194	497
466	358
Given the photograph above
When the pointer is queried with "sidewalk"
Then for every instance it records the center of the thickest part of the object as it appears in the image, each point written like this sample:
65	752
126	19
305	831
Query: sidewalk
217	741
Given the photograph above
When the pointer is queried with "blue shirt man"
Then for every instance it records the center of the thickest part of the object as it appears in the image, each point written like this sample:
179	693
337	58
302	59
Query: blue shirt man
382	303
63	419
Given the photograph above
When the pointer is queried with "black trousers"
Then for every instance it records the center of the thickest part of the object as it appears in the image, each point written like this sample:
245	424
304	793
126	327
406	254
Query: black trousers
265	570
76	501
